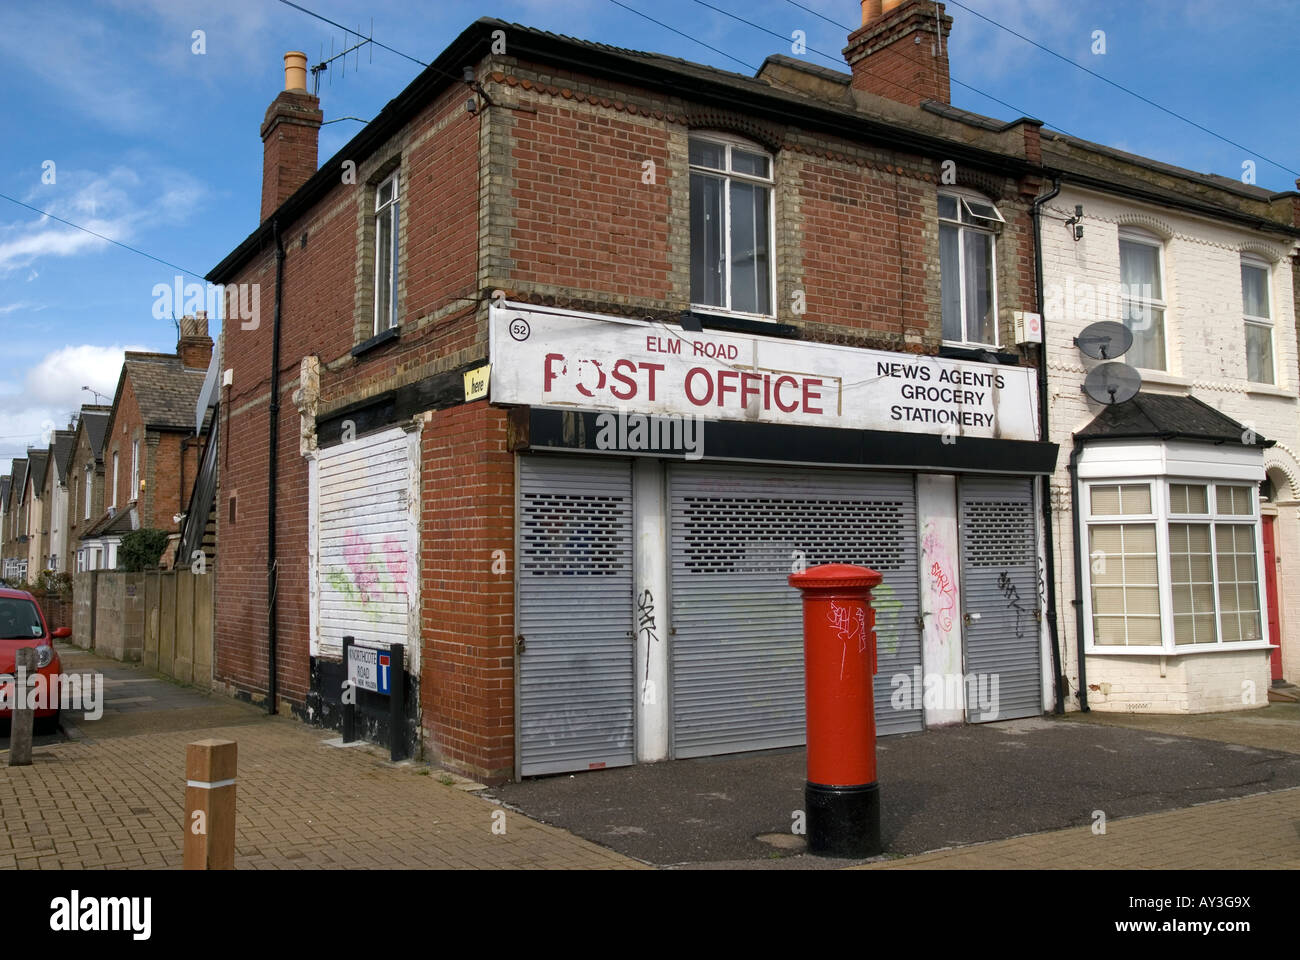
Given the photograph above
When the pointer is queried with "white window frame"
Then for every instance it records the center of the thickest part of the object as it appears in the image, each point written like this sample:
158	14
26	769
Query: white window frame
727	142
90	486
135	471
113	493
1259	263
963	197
1162	516
1137	235
393	203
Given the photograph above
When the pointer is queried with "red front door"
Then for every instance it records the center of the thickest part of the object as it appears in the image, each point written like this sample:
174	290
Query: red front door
1270	586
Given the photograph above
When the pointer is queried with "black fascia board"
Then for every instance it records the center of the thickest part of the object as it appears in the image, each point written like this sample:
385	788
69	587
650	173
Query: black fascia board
475	41
577	430
1165	436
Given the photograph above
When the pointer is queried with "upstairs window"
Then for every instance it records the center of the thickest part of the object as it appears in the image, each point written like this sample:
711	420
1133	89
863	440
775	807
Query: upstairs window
968	268
1142	297
731	226
112	499
135	470
90	477
1259	322
386	233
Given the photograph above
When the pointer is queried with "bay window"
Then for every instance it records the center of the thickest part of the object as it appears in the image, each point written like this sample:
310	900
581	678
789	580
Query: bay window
731	226
967	267
1172	564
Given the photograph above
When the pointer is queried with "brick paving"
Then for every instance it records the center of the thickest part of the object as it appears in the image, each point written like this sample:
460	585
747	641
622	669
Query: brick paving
113	798
1247	833
118	803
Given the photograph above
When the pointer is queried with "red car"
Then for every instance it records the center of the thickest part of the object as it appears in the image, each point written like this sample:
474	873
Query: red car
22	624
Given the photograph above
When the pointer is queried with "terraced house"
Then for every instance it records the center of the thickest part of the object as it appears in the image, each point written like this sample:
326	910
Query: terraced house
1183	560
150	449
554	388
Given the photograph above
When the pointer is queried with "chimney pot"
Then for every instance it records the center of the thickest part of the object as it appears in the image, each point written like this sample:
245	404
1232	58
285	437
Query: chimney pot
883	53
295	70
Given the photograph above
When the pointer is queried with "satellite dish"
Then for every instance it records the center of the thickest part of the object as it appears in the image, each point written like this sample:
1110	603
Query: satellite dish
1104	340
1112	383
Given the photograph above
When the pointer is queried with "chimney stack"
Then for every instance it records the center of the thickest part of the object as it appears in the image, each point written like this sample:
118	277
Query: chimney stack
195	346
289	136
901	51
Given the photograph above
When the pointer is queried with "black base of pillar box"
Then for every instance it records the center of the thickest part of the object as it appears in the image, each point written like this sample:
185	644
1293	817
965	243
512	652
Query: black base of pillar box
843	821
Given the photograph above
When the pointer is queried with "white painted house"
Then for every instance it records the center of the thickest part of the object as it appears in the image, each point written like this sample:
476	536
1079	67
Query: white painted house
1176	514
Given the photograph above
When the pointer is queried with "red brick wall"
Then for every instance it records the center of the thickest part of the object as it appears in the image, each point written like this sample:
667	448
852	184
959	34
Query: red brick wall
467	665
325	291
571	217
289	145
583	218
865	249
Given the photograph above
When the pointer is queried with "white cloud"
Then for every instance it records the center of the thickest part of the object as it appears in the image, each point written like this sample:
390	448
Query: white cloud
56	380
115	205
52	392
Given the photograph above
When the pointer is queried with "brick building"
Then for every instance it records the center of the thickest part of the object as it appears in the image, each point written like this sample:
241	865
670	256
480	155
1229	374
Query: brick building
6	482
37	510
150	449
15	533
57	493
86	482
1186	504
810	279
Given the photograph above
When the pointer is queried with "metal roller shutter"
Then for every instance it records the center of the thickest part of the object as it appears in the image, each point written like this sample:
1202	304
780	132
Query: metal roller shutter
576	672
999	576
737	644
365	541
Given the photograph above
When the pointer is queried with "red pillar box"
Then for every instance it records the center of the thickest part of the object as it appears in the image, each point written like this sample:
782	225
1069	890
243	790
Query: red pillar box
841	796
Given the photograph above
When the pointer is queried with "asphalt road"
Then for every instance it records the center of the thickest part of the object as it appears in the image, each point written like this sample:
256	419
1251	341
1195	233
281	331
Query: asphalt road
942	788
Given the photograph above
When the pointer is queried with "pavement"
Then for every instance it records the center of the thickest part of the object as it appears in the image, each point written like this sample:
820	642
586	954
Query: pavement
113	795
940	789
1080	791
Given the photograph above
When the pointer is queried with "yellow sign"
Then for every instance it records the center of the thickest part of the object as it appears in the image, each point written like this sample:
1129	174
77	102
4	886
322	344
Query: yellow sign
476	383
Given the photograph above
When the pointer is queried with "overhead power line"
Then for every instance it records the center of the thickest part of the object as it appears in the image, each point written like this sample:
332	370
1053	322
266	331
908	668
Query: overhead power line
77	226
839	60
1120	86
679	33
382	46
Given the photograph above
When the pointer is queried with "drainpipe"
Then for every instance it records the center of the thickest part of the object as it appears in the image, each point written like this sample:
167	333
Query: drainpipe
1078	574
272	464
1049	542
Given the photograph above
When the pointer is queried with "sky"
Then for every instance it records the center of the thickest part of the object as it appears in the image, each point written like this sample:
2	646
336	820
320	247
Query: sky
118	117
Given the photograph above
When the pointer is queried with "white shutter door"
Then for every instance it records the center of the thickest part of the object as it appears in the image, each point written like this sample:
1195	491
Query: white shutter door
365	538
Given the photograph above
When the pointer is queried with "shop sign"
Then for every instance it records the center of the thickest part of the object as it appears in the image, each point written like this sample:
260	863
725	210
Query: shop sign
562	359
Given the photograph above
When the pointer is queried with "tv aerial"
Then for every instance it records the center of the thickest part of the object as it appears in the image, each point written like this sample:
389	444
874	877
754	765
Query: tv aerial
1104	340
1112	382
324	64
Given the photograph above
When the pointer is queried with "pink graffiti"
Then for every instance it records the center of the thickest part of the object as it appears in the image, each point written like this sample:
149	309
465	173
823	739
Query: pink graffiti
947	595
395	560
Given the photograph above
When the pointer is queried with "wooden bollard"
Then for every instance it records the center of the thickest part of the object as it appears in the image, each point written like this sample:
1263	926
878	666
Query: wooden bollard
22	720
210	805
